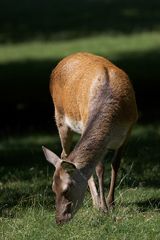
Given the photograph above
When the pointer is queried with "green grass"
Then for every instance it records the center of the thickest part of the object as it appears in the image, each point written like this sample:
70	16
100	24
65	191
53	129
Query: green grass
27	203
110	45
127	222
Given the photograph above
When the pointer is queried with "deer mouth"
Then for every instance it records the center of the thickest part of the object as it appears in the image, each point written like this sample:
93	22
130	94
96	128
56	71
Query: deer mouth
62	220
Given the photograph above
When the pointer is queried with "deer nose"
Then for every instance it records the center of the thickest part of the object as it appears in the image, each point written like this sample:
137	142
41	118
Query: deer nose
65	218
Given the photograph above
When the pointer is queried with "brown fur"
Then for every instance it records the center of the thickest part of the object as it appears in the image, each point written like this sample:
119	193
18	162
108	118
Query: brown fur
95	98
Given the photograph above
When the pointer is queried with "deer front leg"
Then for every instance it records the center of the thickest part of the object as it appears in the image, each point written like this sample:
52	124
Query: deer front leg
94	193
65	134
66	141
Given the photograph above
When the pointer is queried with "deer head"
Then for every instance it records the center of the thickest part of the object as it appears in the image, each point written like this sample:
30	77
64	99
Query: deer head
69	186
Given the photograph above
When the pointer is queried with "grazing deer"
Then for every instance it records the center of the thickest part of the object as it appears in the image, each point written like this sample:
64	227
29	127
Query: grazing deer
94	98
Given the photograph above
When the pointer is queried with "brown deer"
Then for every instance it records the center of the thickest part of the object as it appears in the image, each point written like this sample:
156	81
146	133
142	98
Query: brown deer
94	98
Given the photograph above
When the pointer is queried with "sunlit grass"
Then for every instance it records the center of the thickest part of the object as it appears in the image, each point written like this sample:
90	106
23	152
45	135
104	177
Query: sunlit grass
103	44
128	221
26	141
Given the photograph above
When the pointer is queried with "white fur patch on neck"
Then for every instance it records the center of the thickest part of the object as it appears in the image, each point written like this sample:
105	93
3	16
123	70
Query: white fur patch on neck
76	126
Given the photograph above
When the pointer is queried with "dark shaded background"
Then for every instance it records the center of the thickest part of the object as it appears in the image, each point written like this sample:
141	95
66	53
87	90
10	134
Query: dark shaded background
24	96
27	19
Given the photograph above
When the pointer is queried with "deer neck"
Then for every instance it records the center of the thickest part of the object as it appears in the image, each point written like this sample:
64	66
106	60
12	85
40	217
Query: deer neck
92	146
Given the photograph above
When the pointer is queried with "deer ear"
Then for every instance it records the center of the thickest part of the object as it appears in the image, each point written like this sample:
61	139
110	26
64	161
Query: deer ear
51	156
68	167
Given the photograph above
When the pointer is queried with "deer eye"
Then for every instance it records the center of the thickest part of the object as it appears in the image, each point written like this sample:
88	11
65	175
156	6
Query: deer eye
67	191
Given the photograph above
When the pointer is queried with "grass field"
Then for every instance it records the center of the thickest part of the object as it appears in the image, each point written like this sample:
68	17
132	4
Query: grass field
27	203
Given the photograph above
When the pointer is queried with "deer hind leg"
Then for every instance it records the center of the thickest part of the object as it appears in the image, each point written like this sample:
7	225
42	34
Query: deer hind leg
100	174
114	172
65	134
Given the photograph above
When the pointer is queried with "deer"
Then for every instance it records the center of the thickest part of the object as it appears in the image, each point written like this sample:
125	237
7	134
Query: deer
95	99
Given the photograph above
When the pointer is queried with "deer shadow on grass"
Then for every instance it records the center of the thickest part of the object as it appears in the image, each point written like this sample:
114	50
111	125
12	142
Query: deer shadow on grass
25	182
20	198
140	167
149	204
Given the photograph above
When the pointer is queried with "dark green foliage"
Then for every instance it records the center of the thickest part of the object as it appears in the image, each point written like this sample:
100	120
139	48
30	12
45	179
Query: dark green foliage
66	19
